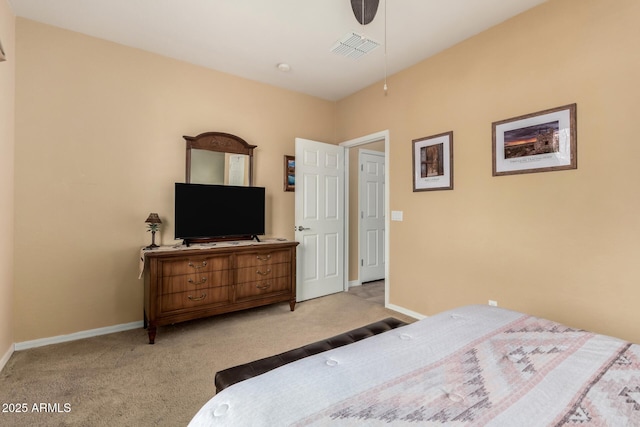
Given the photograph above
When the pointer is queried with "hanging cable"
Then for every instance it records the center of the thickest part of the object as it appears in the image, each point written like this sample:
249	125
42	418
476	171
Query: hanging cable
385	47
362	22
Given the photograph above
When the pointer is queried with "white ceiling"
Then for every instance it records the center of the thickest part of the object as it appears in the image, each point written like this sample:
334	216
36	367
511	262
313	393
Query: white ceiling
249	38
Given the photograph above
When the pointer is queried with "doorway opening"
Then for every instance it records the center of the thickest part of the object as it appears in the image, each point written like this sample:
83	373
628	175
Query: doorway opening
377	142
370	213
371	291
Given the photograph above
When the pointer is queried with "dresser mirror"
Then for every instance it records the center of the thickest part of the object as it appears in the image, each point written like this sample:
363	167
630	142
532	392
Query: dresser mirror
219	158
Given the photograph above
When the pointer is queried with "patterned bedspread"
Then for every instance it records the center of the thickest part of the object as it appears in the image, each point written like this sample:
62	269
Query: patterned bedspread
472	366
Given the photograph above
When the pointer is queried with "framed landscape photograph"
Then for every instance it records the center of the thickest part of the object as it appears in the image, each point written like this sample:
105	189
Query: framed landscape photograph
289	173
433	162
538	142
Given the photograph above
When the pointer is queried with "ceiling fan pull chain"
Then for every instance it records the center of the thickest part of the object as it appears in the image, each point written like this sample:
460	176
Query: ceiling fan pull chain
362	22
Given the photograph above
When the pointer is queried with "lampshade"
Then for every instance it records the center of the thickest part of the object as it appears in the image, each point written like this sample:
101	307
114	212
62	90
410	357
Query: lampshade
153	219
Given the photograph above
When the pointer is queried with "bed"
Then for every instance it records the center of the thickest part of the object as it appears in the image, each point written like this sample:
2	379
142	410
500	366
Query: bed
471	366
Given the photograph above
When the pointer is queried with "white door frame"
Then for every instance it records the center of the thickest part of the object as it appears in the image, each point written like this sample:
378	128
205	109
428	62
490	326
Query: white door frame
382	135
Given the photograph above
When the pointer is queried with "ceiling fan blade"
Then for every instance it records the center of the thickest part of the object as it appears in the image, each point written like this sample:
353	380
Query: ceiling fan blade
370	9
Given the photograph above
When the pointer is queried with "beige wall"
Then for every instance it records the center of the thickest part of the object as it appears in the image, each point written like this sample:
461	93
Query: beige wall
99	145
564	245
99	131
7	99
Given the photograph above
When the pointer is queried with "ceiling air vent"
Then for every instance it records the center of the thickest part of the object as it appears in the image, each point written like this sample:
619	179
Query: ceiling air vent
354	45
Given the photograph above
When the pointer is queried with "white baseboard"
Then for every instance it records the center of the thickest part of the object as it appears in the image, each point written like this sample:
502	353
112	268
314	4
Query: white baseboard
353	283
406	312
77	335
126	327
7	356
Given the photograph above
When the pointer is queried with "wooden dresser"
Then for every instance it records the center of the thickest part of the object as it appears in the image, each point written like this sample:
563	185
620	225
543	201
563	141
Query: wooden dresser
186	284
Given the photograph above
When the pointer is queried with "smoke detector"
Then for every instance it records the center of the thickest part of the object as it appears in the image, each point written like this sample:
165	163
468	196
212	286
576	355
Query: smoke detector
354	45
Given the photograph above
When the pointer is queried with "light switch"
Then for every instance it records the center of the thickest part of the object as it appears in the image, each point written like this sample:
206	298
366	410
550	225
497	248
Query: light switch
396	215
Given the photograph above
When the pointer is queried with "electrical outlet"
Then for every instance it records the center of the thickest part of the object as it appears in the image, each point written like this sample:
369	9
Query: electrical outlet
493	303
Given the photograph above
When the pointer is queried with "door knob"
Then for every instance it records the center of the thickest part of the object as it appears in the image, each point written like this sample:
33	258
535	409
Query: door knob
301	228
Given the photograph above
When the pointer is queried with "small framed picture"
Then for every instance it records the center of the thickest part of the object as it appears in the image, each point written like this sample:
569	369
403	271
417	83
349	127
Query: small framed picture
3	57
289	173
538	142
433	162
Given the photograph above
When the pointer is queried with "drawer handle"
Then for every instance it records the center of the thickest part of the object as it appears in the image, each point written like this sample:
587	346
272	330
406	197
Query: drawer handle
204	264
203	280
200	298
263	287
264	258
263	273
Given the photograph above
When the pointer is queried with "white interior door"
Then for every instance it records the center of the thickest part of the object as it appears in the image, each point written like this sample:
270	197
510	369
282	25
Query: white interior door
320	218
372	219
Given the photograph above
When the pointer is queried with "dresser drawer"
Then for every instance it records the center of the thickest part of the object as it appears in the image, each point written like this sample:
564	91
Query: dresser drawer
195	265
261	258
262	287
190	282
262	272
195	298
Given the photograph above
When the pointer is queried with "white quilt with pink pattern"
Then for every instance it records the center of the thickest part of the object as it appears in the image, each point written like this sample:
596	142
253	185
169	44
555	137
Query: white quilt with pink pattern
471	366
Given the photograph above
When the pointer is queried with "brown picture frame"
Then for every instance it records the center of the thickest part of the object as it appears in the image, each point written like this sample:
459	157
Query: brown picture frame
432	161
543	141
289	173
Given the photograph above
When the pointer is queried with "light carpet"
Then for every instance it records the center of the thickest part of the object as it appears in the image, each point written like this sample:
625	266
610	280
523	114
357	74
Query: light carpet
121	380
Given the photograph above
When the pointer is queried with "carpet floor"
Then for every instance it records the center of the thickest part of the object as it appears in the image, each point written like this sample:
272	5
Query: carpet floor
121	380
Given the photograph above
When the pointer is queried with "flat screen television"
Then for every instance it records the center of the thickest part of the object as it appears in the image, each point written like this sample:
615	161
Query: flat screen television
205	211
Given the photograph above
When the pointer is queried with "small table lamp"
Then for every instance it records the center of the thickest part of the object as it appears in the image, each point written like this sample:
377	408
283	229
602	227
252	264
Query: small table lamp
154	225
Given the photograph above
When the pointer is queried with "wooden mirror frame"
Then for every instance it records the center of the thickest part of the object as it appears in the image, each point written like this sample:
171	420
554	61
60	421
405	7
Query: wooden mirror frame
221	142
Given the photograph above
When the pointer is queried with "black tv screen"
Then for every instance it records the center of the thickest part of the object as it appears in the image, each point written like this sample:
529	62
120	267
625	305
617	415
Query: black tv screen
204	211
